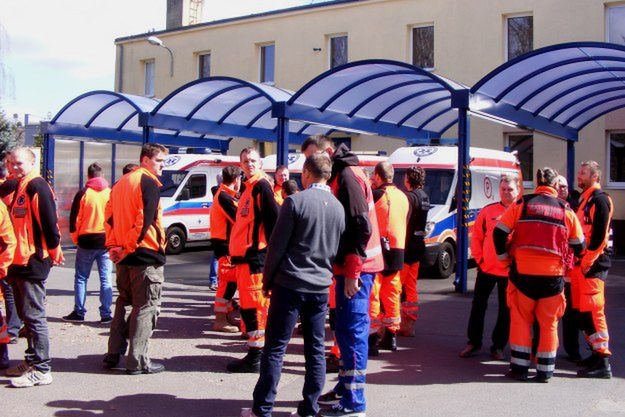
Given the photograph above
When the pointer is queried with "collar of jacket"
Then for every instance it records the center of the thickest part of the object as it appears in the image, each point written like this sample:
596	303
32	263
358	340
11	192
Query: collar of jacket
226	189
588	192
546	190
147	172
26	178
97	183
260	174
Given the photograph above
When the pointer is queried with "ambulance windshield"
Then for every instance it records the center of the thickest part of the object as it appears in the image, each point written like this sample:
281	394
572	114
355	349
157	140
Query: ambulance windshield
437	183
171	180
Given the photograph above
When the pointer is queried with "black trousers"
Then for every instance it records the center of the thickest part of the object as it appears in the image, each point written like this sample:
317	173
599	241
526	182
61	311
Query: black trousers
484	285
570	325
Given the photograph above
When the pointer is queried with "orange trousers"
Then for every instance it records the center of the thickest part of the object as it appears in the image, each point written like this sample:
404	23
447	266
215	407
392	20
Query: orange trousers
385	301
588	297
409	292
226	280
254	305
524	311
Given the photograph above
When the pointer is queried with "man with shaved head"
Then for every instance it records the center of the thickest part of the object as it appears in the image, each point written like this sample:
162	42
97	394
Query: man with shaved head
33	214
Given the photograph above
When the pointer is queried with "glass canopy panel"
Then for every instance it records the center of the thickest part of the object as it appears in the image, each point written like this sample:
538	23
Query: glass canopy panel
183	102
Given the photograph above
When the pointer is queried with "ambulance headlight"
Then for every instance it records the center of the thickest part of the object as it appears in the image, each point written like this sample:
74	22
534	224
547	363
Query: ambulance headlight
429	226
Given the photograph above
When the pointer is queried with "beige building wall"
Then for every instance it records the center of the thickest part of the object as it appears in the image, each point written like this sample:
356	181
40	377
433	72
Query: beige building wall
468	42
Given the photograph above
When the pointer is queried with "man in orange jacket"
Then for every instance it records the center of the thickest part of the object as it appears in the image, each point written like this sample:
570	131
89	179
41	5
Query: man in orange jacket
544	229
222	215
491	272
7	250
136	242
588	276
86	225
33	214
256	217
391	209
280	177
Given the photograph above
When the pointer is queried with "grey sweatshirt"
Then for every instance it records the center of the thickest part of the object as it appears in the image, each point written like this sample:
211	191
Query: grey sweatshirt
304	241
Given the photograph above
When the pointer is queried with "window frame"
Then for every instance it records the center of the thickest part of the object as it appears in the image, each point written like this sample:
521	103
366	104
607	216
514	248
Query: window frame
145	64
527	184
507	17
261	66
615	185
411	29
199	63
609	7
329	42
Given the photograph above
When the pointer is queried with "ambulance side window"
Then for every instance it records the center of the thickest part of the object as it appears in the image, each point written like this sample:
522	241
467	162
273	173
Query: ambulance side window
196	186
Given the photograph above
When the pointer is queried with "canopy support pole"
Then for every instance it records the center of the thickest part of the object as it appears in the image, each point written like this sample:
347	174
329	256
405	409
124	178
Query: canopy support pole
113	163
147	134
282	157
48	158
463	186
81	165
570	164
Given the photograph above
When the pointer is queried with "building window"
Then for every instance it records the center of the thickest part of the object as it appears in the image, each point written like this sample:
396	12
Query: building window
524	146
615	24
267	64
616	158
148	88
338	51
423	47
519	35
204	68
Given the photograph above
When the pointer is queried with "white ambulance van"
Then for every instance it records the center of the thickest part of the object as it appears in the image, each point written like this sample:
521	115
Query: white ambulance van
440	164
186	196
367	160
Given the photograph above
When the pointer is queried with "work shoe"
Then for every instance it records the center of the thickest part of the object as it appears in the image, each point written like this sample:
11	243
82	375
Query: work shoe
32	378
389	341
221	324
332	364
106	320
468	351
601	370
74	317
18	370
111	360
338	410
329	398
406	328
496	354
248	365
153	368
234	319
374	340
591	360
541	377
518	376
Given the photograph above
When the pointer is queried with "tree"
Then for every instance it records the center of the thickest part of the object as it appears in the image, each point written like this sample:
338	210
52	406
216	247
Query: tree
11	134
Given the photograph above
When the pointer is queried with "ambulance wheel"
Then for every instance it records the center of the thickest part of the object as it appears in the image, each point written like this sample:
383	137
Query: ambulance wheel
176	239
446	261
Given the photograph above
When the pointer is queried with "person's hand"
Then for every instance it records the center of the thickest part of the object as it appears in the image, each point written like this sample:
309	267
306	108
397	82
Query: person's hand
115	253
57	256
352	286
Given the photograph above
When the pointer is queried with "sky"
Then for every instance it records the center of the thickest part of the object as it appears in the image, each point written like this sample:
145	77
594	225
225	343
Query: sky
54	50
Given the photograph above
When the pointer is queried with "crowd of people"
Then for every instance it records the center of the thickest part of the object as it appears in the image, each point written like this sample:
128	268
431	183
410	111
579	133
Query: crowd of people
347	246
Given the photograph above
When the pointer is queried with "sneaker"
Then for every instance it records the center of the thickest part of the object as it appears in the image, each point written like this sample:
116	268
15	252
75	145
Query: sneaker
338	410
74	317
18	370
468	351
329	398
153	368
106	320
247	412
32	378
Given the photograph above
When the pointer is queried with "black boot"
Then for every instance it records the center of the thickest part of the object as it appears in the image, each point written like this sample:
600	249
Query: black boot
601	369
374	339
389	341
248	365
591	360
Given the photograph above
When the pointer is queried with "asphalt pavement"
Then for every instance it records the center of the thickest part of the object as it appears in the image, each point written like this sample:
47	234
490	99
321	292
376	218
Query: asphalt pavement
425	377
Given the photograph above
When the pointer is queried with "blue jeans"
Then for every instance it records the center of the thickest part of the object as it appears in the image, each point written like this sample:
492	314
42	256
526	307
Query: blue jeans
352	336
14	322
84	262
212	277
286	305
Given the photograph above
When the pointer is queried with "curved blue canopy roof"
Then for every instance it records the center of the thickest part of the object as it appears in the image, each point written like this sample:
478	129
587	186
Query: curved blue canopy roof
558	89
385	97
109	115
228	107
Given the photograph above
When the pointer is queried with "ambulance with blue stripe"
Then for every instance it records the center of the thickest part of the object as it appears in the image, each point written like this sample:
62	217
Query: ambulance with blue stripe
186	196
441	165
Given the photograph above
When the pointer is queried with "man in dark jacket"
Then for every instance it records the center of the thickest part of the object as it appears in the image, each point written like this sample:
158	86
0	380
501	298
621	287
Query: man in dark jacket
298	271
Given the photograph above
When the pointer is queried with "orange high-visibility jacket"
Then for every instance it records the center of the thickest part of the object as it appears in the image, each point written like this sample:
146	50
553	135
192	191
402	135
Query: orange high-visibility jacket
257	213
482	244
222	216
391	209
33	214
544	227
277	194
134	219
86	218
595	214
7	241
